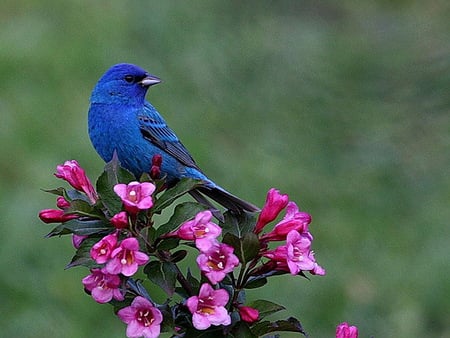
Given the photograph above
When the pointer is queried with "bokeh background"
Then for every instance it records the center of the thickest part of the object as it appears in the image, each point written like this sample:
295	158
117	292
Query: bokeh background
342	105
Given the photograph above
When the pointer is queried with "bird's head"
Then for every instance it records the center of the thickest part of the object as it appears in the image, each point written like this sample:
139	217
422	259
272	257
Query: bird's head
123	83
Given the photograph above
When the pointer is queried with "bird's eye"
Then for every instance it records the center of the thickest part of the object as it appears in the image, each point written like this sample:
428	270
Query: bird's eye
129	78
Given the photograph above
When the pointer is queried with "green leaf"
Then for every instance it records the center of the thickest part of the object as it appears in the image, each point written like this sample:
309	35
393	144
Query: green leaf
86	228
182	213
239	224
245	248
163	274
265	307
112	175
83	255
168	243
242	330
82	207
58	191
289	325
170	195
59	230
255	283
178	256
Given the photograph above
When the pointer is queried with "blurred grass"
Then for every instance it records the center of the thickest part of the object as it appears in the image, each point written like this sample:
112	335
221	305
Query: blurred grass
343	106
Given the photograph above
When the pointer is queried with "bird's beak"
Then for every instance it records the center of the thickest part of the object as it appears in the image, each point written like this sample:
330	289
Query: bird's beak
149	80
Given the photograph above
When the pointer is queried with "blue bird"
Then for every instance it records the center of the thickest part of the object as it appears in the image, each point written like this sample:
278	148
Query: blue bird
121	121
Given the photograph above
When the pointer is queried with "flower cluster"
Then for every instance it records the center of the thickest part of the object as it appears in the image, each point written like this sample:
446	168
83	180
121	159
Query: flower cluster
116	230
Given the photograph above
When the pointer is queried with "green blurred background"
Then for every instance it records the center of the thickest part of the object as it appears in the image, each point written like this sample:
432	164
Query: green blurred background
342	105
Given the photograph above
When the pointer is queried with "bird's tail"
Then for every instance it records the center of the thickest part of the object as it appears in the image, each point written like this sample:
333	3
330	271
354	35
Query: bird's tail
224	198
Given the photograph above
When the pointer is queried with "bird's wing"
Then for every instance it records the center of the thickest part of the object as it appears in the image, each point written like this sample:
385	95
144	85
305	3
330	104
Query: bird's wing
154	129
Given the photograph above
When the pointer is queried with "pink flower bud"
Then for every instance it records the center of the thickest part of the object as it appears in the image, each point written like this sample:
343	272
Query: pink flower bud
275	202
155	171
62	203
55	216
248	314
76	177
77	240
120	220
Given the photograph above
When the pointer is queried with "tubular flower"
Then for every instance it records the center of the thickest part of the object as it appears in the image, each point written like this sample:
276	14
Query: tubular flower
55	216
200	229
101	251
293	220
135	196
76	177
275	202
143	319
126	258
217	261
343	330
208	308
296	255
103	286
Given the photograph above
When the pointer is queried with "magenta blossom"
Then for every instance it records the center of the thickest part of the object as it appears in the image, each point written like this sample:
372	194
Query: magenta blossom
135	196
275	202
296	255
248	314
126	258
293	220
120	220
103	286
76	177
343	330
298	252
101	251
208	308
55	216
200	229
143	319
217	261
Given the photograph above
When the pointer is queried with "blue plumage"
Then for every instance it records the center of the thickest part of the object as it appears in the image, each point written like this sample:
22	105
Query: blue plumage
122	121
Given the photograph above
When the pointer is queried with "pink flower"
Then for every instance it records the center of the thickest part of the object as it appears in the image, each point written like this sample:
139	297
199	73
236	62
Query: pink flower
217	261
103	286
55	216
135	196
200	229
120	220
275	202
296	255
126	258
293	220
298	252
142	317
77	240
208	308
76	177
248	314
345	331
101	251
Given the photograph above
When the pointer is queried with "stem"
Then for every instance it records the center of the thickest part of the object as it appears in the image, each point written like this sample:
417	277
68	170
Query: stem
184	282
